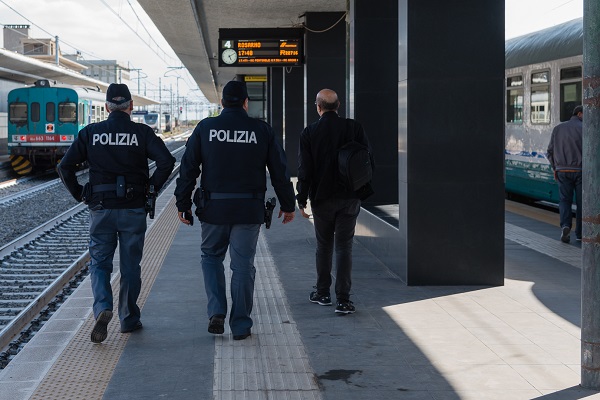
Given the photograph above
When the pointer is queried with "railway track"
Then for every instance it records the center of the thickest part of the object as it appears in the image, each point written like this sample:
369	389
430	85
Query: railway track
40	269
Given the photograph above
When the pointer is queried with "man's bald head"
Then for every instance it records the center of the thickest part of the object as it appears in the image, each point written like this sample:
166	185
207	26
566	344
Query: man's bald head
327	100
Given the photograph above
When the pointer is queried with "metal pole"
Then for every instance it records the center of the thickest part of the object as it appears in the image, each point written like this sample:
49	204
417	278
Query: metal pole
56	57
590	276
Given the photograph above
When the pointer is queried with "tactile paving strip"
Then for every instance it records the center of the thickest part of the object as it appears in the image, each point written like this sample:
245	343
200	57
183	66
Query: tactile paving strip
272	363
540	243
84	369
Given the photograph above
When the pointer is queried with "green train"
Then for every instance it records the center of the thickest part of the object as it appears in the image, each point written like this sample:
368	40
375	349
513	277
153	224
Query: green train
543	80
44	120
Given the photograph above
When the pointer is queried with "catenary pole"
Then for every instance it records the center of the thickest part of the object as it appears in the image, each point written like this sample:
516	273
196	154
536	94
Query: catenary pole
590	277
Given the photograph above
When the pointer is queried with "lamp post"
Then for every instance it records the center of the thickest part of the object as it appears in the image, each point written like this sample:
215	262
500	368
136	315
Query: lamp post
178	78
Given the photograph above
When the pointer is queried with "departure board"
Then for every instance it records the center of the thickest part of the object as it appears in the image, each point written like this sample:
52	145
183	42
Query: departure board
261	47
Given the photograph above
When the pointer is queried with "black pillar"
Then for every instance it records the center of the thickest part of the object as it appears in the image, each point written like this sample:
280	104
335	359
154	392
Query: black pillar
275	100
325	59
293	96
451	142
373	72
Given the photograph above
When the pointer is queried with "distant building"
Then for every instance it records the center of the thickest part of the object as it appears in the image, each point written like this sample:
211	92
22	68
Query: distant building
17	38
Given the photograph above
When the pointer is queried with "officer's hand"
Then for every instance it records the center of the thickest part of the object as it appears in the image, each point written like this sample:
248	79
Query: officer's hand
181	216
287	216
555	176
304	214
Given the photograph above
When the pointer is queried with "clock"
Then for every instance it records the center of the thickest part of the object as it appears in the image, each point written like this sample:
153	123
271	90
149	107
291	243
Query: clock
229	56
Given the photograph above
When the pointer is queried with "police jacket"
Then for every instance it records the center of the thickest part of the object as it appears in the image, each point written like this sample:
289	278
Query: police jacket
566	143
116	147
232	150
317	157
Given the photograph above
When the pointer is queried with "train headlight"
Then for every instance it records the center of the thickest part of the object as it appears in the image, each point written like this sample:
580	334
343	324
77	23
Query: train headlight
19	138
66	138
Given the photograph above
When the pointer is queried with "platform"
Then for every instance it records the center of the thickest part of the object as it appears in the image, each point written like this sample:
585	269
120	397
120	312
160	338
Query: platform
517	341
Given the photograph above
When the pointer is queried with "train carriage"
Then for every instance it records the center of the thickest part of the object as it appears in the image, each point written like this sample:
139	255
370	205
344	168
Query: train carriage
44	120
543	80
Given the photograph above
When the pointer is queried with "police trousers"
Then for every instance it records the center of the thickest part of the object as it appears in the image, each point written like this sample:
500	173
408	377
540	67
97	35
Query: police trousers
128	227
335	222
569	184
241	239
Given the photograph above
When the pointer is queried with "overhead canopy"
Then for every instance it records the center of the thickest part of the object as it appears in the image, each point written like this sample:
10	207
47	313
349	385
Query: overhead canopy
192	30
19	68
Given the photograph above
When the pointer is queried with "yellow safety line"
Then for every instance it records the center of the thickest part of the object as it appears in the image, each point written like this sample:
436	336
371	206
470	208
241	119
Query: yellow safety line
84	369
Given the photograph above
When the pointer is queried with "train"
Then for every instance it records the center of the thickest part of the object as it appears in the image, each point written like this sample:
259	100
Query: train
543	84
151	118
44	120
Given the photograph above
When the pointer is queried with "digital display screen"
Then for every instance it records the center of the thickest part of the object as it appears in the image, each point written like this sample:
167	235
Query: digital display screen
261	47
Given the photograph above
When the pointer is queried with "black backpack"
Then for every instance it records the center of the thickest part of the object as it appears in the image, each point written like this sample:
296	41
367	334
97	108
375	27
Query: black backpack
355	163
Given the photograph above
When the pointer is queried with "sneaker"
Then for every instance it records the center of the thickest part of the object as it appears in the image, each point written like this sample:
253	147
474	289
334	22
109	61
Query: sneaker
138	325
319	299
100	331
217	324
565	236
345	307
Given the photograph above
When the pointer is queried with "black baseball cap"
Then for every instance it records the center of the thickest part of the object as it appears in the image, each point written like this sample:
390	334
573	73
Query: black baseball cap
235	92
118	93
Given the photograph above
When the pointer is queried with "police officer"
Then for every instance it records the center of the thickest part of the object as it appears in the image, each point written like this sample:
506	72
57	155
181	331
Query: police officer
233	150
117	151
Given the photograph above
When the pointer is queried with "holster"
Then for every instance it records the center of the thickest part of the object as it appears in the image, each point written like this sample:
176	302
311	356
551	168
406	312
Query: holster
86	193
199	200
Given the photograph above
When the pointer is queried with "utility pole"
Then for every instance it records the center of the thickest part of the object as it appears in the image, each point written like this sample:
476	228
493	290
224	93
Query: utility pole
590	274
56	57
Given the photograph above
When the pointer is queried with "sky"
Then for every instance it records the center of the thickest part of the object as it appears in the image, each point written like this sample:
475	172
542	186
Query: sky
121	30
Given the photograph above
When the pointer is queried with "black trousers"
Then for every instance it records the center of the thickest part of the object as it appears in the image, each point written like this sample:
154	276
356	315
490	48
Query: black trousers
335	221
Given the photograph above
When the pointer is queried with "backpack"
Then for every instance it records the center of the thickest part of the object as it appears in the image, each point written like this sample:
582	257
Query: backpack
355	164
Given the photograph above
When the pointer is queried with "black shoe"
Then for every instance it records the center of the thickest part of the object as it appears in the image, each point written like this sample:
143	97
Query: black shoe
241	337
565	236
319	299
345	307
217	324
100	331
138	325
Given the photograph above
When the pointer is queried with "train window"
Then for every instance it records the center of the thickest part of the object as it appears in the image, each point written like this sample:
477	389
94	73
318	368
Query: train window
67	112
514	81
50	112
83	114
570	91
17	114
35	111
514	99
540	97
570	73
540	77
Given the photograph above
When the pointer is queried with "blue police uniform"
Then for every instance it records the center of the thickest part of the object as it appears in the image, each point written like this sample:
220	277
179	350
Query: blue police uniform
117	150
232	149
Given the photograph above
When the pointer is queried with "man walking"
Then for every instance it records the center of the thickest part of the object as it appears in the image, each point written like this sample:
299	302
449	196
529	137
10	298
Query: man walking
117	151
565	157
233	150
334	207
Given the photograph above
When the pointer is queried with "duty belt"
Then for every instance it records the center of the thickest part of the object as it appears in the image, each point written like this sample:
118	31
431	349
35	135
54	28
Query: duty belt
224	196
112	187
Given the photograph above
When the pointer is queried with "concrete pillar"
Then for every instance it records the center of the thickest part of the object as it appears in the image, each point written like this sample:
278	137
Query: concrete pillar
451	142
325	59
590	276
293	123
275	100
373	73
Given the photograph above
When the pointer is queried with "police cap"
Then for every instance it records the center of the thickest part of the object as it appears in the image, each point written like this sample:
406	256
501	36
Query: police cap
118	93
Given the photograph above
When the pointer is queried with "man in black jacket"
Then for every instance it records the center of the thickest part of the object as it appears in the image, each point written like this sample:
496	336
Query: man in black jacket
334	207
233	150
565	154
117	151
